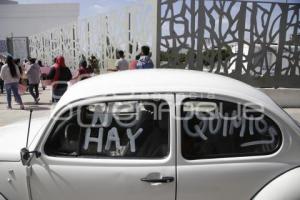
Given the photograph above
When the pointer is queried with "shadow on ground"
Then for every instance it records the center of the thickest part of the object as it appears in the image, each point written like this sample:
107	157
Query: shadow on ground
39	104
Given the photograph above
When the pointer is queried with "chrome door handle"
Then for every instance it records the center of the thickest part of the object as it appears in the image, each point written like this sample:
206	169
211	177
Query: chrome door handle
165	179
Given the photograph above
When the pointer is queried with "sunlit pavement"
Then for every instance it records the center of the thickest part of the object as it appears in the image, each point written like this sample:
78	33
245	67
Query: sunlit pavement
41	110
44	108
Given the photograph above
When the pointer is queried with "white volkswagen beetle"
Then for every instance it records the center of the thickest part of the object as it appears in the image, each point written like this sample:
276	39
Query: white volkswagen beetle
154	134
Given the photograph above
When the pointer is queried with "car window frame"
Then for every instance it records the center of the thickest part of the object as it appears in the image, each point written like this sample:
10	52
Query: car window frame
168	97
180	97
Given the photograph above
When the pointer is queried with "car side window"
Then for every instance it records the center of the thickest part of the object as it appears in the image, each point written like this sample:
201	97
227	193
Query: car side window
127	129
217	129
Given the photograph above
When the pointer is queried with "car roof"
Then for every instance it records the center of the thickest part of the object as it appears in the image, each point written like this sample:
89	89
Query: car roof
162	81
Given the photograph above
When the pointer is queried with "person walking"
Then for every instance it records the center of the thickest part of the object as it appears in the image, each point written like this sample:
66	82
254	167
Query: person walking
1	81
11	75
44	73
54	61
59	74
121	64
145	61
33	73
83	72
26	67
18	63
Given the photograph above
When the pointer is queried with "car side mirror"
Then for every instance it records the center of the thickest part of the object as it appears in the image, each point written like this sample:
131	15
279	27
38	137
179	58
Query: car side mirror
25	155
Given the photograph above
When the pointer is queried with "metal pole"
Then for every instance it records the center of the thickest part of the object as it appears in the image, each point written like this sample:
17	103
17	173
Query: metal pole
28	131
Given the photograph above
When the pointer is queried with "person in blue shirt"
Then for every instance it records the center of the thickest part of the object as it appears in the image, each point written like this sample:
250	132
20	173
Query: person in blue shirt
145	61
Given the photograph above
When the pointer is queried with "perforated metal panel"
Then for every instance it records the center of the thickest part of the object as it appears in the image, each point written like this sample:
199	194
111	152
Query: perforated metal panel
263	39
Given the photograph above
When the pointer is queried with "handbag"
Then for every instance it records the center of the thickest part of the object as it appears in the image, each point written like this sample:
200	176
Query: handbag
22	89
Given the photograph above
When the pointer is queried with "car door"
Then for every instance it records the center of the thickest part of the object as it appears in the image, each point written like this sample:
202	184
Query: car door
109	148
227	147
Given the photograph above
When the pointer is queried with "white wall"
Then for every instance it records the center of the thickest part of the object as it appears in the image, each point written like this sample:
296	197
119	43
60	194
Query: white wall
23	20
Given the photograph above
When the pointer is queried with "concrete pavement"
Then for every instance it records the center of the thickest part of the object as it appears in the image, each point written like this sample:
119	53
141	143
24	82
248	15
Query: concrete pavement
10	116
294	112
44	108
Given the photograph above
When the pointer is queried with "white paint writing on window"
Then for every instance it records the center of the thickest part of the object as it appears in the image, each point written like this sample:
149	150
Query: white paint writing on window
226	125
89	139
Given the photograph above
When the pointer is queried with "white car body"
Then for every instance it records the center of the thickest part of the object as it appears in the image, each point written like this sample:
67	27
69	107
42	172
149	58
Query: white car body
270	175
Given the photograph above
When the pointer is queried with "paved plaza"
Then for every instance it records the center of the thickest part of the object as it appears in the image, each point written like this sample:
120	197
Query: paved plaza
42	109
45	106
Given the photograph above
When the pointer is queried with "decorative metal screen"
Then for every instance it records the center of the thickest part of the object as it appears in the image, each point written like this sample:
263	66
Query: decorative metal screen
101	35
253	41
59	41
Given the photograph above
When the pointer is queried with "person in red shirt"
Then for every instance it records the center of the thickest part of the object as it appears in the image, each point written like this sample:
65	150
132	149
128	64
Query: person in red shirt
59	74
134	62
83	72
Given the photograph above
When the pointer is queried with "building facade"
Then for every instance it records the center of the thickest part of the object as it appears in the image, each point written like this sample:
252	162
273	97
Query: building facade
18	21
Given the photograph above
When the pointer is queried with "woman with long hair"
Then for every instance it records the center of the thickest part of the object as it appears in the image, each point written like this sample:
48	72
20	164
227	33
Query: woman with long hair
59	74
10	74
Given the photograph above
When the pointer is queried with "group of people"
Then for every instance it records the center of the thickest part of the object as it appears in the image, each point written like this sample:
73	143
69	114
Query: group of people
13	76
32	73
141	61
